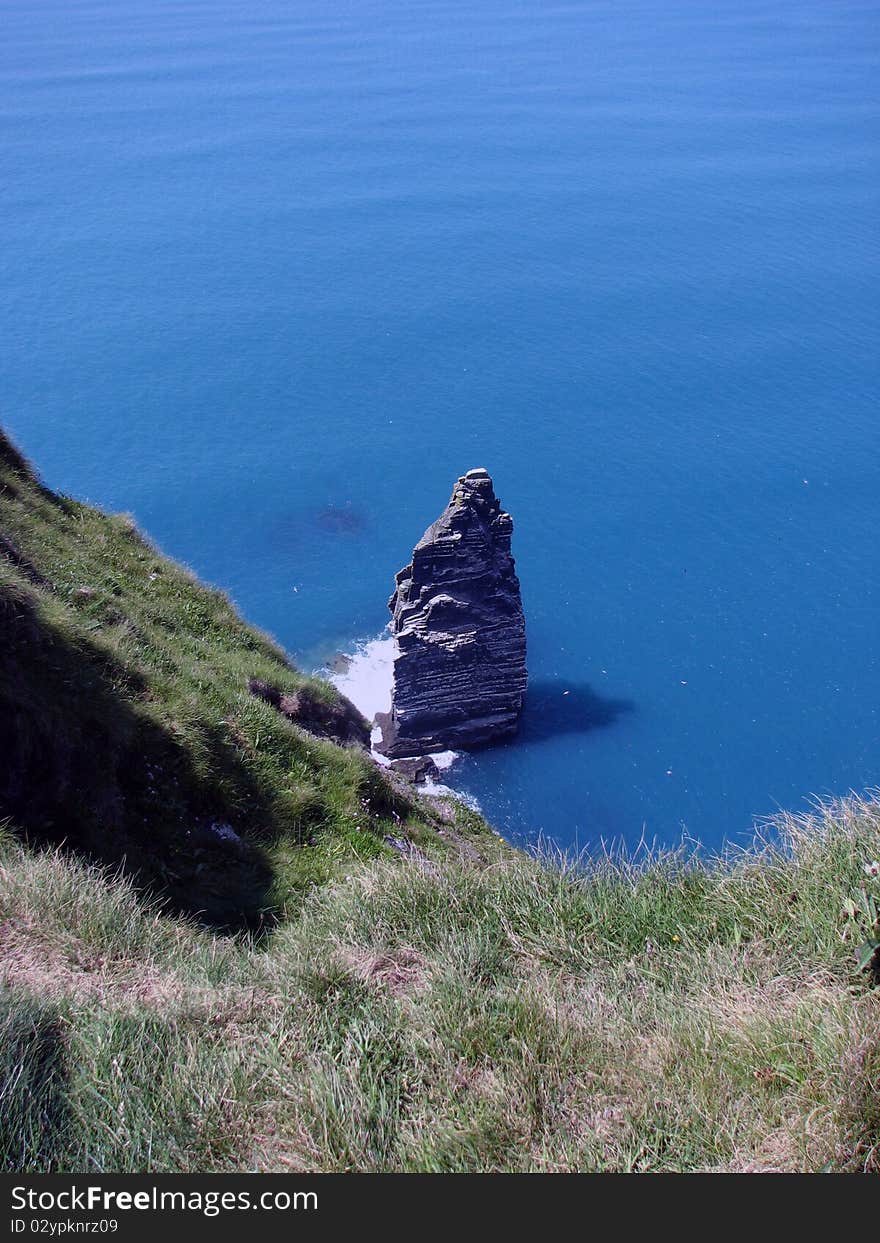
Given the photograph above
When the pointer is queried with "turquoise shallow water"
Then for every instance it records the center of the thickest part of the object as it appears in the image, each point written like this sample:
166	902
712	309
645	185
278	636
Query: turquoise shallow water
274	275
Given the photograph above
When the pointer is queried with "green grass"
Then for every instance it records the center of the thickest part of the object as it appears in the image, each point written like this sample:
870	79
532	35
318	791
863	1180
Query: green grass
527	1015
462	1008
127	727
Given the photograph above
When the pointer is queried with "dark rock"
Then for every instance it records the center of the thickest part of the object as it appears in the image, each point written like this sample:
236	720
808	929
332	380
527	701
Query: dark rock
419	769
460	671
339	720
266	691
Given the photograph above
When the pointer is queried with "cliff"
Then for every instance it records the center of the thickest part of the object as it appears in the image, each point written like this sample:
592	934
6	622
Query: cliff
460	672
417	1012
142	720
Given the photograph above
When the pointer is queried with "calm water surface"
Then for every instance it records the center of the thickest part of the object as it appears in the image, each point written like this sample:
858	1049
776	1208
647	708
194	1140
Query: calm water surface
274	275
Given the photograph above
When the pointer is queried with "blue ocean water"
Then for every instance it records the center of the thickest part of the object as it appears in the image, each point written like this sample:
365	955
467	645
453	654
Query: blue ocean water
273	275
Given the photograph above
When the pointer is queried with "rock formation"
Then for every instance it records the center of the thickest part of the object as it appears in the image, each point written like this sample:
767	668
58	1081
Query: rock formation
419	769
460	669
337	718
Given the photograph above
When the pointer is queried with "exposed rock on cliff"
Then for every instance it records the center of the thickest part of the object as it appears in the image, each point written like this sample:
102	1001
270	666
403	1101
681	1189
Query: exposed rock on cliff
417	769
460	672
337	718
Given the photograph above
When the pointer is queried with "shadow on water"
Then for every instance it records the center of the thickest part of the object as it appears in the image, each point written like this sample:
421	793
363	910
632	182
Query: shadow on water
299	526
560	707
341	519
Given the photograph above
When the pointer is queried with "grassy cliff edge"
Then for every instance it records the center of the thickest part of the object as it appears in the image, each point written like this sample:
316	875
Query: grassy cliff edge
212	958
142	719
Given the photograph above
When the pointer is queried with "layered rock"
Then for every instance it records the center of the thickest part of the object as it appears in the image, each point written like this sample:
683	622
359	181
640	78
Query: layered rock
418	769
460	669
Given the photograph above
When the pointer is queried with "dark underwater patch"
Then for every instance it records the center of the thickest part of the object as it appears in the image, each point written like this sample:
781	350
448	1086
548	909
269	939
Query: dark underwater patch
341	519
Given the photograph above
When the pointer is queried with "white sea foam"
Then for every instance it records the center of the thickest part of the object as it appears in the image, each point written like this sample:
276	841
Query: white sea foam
434	789
367	681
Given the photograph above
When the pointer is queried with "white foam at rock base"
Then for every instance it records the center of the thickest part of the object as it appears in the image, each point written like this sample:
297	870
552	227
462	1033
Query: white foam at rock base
367	682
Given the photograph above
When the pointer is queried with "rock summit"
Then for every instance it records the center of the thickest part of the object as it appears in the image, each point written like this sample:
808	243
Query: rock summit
457	617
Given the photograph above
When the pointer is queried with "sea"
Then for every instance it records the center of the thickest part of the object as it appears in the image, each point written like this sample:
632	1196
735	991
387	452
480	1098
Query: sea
274	274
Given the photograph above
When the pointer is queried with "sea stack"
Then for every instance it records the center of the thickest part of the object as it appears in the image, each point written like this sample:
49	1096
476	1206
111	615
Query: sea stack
460	668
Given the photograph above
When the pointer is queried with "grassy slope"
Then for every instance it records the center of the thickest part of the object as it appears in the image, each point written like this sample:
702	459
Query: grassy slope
465	1009
516	1017
127	727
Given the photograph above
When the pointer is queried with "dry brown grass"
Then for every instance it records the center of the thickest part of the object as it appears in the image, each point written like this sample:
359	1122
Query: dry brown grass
514	1017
